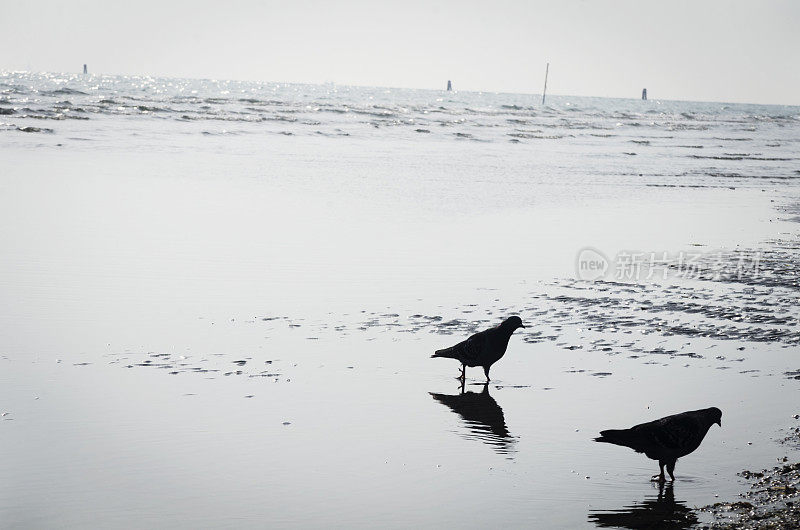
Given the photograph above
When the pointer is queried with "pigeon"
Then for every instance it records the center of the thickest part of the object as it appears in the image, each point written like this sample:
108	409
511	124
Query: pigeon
484	348
667	439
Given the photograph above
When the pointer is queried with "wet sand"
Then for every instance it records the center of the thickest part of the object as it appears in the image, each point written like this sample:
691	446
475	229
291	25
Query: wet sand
345	418
773	498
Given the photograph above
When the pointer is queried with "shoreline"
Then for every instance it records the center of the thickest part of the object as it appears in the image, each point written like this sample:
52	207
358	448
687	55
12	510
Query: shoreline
772	500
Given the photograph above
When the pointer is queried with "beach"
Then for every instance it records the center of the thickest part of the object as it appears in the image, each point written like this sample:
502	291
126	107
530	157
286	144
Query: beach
222	298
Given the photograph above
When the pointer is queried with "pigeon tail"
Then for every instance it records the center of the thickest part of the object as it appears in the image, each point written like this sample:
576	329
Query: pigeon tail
618	437
449	353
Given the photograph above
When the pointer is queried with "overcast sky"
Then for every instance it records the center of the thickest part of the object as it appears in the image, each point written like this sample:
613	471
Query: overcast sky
695	50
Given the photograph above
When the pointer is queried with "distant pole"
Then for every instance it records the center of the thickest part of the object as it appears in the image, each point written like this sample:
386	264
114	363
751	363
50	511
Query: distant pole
544	91
644	94
449	85
85	70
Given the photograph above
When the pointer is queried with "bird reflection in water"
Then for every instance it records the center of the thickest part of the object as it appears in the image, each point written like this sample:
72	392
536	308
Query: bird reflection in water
483	418
661	511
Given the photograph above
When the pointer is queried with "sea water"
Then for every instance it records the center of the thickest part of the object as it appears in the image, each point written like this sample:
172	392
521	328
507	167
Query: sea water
221	298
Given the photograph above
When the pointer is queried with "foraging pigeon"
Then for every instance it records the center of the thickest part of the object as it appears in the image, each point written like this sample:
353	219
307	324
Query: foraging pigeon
484	348
667	439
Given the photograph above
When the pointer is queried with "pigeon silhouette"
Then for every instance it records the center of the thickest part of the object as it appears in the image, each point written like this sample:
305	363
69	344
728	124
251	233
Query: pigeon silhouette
484	348
666	439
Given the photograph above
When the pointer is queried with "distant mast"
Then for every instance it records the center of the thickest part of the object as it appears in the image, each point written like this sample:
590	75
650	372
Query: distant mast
85	70
544	91
644	94
449	86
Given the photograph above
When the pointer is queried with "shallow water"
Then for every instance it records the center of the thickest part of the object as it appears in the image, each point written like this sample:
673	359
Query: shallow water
227	330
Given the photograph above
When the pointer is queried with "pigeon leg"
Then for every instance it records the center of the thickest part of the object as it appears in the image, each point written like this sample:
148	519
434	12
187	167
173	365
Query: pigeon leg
486	371
659	478
463	375
670	469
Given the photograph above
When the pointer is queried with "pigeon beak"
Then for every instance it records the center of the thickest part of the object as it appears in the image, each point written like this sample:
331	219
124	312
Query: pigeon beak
719	423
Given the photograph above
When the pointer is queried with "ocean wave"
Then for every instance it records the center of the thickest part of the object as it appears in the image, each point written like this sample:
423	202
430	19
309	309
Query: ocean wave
335	110
12	89
145	108
532	136
742	157
63	91
584	125
715	157
337	132
304	109
35	130
289	119
41	114
739	176
221	133
686	127
379	114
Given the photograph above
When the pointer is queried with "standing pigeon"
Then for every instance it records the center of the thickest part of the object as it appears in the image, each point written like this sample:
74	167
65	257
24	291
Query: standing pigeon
484	348
667	439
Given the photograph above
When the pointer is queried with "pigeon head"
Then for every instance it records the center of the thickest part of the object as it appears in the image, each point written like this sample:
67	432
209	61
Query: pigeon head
715	415
513	323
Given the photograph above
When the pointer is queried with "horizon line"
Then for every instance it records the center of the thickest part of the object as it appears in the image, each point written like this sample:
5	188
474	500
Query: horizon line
498	92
